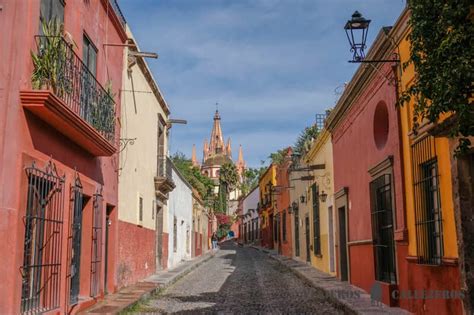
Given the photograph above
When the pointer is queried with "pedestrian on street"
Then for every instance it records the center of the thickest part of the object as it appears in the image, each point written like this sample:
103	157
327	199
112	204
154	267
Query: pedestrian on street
214	240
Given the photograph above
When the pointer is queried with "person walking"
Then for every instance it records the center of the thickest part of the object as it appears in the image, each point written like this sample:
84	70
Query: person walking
214	240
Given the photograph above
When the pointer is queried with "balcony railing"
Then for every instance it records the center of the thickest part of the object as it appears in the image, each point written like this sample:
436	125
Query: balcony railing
73	82
164	167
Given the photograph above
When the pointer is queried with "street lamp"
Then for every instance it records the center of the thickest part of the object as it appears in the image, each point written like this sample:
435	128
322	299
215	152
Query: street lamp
303	199
357	29
323	196
357	25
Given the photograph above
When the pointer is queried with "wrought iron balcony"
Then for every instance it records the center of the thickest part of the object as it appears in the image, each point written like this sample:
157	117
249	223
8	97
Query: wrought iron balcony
78	97
164	180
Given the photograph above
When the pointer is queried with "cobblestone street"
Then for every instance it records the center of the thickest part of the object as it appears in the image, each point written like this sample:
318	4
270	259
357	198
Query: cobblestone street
240	280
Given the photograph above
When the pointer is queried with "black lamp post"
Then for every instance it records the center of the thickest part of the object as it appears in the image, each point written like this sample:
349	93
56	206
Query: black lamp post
357	29
357	25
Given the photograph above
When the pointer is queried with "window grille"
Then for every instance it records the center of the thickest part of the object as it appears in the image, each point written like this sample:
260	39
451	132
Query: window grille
316	226
382	228
74	246
96	257
428	216
41	270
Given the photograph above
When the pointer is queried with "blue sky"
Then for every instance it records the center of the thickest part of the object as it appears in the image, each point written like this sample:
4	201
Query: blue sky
271	64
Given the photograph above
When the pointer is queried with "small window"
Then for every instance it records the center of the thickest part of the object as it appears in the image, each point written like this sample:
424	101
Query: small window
89	55
284	226
51	9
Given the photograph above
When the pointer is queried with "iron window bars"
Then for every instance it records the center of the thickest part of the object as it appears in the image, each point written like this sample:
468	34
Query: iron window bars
74	239
316	220
41	270
382	228
96	249
428	215
74	83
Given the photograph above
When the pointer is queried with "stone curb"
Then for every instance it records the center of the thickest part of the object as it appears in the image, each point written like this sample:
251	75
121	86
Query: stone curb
349	306
159	286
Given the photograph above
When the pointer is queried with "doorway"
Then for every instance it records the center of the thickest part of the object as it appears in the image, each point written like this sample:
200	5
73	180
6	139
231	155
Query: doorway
308	249
343	244
108	223
297	233
159	236
331	239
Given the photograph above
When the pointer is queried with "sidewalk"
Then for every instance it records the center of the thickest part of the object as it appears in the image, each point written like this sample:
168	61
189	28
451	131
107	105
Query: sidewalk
129	296
351	298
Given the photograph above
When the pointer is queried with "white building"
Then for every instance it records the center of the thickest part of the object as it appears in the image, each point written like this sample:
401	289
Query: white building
250	227
180	219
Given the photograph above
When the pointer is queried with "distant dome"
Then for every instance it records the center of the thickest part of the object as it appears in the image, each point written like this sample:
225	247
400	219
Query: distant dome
218	159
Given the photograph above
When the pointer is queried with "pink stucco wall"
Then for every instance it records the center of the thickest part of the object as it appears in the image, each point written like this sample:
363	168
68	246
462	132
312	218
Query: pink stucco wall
355	152
25	138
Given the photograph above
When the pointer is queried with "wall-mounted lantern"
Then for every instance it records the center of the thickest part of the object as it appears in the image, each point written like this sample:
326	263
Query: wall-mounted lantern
303	199
323	196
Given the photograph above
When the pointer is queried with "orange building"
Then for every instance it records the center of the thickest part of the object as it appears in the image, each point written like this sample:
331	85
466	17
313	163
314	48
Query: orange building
283	208
267	182
430	180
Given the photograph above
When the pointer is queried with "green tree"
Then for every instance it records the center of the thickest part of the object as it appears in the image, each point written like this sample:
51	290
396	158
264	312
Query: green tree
201	183
442	37
250	179
303	142
228	179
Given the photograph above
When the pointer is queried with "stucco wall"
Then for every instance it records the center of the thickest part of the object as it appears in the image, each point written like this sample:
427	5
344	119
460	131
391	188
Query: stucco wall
321	153
180	205
138	162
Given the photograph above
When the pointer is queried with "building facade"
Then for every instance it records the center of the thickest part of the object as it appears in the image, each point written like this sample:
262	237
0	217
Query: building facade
300	220
179	220
368	182
144	183
58	151
283	209
321	200
200	234
267	182
431	190
250	222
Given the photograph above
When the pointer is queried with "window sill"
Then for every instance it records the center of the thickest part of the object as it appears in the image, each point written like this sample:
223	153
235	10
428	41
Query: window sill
445	261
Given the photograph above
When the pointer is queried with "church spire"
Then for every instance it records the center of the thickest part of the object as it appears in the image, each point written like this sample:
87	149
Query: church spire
228	149
205	152
217	142
241	161
193	158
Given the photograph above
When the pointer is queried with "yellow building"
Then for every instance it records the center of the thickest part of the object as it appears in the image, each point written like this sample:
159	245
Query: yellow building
320	192
432	249
266	183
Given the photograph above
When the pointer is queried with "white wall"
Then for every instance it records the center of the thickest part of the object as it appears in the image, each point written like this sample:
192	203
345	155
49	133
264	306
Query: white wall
138	161
180	205
250	202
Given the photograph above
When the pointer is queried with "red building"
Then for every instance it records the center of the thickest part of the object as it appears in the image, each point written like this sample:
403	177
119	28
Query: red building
371	231
58	151
283	207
